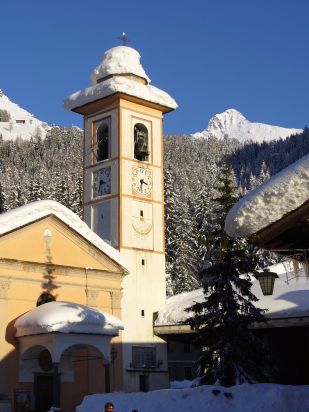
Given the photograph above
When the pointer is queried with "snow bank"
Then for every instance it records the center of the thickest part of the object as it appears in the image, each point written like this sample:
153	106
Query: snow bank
290	298
119	60
67	317
36	210
269	202
241	398
181	384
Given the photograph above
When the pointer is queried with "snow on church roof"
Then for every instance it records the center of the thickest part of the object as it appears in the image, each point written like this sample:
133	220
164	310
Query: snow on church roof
33	211
289	300
272	200
118	62
67	317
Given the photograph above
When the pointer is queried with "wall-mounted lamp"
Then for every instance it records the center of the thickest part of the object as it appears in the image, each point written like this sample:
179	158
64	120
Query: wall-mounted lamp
267	281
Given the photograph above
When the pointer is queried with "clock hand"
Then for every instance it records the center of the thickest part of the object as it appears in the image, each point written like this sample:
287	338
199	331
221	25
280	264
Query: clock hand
143	182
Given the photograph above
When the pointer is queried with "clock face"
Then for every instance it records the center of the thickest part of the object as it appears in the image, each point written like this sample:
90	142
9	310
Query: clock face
141	180
102	182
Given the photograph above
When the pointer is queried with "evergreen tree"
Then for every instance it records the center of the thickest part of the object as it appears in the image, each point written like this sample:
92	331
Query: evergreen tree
3	207
231	353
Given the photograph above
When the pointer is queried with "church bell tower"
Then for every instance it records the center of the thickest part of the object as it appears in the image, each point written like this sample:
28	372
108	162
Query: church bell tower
124	199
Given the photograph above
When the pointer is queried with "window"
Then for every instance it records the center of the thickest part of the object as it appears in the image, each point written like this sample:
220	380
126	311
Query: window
143	357
102	141
45	297
141	150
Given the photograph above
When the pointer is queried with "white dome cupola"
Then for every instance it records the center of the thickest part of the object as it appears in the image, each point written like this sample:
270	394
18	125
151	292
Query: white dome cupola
120	61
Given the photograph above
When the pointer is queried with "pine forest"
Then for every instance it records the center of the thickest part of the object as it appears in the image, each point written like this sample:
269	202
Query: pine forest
51	168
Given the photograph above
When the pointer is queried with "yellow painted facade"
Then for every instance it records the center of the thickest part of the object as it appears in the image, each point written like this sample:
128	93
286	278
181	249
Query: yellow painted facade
82	274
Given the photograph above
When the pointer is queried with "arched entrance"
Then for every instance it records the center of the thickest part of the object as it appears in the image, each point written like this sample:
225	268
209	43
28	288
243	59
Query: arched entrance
69	361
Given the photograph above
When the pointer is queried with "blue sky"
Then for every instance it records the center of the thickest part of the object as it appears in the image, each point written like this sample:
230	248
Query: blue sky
210	55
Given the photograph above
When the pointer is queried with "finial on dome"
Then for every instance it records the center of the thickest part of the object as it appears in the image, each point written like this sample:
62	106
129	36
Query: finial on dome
124	39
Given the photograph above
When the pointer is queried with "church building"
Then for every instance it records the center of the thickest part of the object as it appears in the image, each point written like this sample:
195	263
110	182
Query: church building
78	298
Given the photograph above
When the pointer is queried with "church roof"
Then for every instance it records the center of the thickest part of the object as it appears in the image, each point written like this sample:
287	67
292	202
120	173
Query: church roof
67	317
120	72
119	60
34	211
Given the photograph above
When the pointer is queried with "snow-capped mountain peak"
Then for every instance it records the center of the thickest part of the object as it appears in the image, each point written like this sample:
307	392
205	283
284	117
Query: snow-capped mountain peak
17	122
233	124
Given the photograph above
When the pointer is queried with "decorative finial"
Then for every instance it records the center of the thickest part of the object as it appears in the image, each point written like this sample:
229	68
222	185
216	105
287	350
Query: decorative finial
123	39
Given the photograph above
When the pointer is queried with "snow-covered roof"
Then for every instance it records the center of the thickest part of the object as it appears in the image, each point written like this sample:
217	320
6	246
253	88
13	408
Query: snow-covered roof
118	62
272	200
119	85
34	211
67	317
289	300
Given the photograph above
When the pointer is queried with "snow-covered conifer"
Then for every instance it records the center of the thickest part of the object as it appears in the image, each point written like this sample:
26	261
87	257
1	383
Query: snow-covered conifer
231	353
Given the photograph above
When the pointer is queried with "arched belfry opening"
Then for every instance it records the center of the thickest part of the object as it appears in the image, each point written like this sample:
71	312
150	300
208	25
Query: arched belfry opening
141	142
102	142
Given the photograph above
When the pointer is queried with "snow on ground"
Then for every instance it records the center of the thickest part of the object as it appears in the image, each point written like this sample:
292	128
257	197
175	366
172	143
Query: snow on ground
67	317
22	123
269	202
241	398
33	211
233	124
288	300
181	384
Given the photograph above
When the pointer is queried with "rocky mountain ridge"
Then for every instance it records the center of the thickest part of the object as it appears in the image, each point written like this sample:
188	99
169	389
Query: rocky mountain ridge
233	124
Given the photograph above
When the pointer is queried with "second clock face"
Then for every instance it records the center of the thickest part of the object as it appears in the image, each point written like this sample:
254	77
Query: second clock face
142	180
102	182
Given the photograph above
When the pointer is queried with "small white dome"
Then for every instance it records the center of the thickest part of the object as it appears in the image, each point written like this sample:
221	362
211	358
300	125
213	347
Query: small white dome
119	60
67	317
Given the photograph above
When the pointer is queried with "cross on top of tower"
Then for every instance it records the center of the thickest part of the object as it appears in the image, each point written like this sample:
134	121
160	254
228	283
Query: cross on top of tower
124	39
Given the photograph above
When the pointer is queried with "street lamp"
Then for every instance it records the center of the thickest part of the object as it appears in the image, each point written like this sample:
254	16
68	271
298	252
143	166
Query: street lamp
267	281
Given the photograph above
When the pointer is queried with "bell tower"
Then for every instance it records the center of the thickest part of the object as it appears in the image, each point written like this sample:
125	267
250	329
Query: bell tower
124	199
